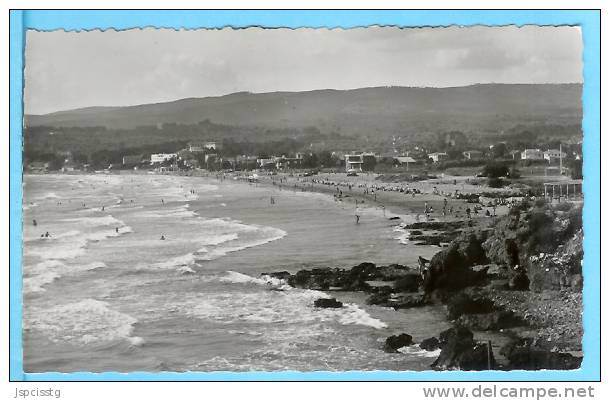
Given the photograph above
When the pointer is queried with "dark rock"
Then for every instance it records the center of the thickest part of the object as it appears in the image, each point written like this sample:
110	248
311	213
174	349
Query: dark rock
450	268
519	282
402	301
392	272
393	343
436	225
430	344
465	303
491	321
283	275
394	218
416	232
522	354
327	303
408	283
460	351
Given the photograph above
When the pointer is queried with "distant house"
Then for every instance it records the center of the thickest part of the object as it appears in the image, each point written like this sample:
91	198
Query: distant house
288	162
438	156
132	160
553	154
68	166
403	160
532	154
156	158
473	154
38	167
195	148
353	163
211	146
267	163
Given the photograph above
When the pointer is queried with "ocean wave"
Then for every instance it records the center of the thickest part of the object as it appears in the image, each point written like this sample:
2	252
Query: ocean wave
415	350
273	234
84	322
173	212
43	273
35	283
240	278
288	306
107	220
70	244
30	205
49	195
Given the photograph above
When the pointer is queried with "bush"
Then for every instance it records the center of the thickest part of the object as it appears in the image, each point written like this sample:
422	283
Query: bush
495	182
495	170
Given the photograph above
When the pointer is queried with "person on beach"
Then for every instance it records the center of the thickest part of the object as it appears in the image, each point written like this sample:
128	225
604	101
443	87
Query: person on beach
116	229
34	222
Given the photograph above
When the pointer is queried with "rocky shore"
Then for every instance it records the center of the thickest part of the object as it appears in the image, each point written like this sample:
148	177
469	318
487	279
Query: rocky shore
519	275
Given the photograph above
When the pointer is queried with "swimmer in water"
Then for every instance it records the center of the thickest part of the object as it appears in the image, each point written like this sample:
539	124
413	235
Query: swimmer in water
116	229
162	237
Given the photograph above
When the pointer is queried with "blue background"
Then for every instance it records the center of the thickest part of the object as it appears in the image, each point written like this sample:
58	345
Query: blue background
588	20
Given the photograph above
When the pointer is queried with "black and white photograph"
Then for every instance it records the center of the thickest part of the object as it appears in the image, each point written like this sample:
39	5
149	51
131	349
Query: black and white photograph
266	200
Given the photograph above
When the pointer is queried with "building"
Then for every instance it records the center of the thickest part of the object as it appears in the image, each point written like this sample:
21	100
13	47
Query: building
403	160
438	156
353	163
266	163
162	157
211	146
553	154
288	162
132	160
532	154
38	167
473	154
195	148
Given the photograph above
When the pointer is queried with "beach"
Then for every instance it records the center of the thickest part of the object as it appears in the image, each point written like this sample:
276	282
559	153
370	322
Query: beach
104	292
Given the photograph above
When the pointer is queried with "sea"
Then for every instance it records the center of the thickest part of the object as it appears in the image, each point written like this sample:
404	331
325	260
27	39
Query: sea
147	272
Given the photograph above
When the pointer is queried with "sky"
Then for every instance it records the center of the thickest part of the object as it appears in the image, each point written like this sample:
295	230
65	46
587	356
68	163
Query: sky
68	70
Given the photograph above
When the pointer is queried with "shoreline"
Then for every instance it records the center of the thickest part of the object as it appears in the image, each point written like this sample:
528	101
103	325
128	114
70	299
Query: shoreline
432	194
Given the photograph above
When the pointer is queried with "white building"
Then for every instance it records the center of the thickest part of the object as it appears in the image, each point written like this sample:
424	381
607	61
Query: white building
473	154
353	163
437	156
162	157
532	154
195	148
553	154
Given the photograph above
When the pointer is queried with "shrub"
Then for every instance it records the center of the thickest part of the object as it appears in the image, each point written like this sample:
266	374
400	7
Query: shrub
496	182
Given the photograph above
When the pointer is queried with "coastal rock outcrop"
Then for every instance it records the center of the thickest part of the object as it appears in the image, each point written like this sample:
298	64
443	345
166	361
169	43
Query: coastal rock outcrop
430	344
460	351
450	269
523	354
327	303
397	301
393	343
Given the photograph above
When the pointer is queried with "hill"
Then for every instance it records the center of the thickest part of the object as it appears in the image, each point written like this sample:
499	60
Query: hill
367	111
